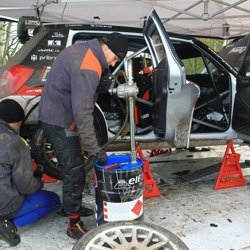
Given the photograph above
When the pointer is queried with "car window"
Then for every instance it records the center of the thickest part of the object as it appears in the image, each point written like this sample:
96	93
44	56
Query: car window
194	66
213	109
158	46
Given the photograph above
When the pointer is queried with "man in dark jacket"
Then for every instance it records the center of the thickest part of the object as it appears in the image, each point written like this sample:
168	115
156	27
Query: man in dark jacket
21	200
66	114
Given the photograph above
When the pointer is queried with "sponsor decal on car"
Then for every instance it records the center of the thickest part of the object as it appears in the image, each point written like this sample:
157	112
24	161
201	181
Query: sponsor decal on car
56	43
42	58
45	74
34	90
238	50
49	50
33	58
57	34
33	22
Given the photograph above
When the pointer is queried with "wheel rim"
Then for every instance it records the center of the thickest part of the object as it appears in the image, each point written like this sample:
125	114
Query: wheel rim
131	237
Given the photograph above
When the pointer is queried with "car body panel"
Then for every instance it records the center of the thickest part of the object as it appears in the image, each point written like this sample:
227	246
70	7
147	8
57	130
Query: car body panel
174	99
186	96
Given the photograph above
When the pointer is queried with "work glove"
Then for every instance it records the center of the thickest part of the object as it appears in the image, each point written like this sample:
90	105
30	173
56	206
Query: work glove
104	84
101	157
38	173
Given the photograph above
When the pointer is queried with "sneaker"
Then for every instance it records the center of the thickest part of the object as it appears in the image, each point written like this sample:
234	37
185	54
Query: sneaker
8	233
76	231
83	212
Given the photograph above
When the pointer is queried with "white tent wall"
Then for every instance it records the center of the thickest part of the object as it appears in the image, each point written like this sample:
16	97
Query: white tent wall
214	18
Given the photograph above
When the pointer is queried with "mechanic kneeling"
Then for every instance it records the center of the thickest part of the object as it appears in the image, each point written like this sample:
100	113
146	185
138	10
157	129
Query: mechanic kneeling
22	201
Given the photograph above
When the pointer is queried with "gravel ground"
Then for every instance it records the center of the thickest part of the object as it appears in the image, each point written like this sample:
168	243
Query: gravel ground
186	209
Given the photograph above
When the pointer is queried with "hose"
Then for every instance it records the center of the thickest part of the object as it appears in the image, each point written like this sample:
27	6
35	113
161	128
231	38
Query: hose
126	114
90	160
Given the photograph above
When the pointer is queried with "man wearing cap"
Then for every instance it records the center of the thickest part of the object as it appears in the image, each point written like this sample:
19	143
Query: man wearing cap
66	114
21	200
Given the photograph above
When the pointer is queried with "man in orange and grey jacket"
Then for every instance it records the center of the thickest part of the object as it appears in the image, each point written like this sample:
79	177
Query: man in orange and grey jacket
66	114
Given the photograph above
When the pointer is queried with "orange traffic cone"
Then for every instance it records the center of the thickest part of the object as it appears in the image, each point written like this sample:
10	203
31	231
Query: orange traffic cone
150	188
230	174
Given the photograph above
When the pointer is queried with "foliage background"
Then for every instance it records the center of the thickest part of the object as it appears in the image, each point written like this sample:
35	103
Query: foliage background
9	43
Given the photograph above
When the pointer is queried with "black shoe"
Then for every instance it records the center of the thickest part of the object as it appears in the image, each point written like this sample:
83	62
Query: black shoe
8	233
247	162
83	212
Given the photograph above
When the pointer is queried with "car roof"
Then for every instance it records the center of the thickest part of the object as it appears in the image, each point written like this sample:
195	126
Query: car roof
93	27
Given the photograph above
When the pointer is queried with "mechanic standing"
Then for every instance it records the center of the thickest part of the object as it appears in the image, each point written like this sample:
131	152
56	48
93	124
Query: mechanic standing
21	200
66	114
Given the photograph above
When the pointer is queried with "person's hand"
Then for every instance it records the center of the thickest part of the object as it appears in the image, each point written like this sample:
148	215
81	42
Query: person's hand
101	157
38	173
104	84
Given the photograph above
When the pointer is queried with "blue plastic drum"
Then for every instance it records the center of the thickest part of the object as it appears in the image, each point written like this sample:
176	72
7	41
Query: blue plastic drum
119	189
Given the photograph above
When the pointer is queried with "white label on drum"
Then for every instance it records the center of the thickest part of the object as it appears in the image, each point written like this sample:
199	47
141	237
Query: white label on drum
116	211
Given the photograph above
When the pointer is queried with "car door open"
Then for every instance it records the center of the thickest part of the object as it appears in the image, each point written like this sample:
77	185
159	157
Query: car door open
241	113
173	98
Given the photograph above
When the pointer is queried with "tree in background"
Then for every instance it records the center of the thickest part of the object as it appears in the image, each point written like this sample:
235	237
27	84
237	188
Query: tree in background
214	44
9	43
196	65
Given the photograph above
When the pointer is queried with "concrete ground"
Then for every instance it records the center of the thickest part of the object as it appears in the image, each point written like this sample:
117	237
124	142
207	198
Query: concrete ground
203	218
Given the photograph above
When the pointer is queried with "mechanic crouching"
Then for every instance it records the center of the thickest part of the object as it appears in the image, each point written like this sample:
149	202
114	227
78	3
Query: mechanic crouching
22	201
66	114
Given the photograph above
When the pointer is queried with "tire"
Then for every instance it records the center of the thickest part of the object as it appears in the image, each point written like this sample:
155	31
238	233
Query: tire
129	235
43	153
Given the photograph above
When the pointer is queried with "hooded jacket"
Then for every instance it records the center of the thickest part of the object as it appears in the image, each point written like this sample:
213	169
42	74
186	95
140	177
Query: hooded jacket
16	173
70	91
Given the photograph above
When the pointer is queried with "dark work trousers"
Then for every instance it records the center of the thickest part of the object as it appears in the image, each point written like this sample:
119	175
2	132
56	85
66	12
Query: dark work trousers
67	148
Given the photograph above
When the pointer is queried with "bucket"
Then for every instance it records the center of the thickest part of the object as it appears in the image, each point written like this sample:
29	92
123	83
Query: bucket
119	189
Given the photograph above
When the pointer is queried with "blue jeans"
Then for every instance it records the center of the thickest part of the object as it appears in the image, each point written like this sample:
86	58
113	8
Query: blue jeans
36	206
68	151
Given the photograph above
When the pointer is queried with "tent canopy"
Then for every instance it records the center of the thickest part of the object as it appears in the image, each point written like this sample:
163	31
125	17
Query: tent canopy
212	18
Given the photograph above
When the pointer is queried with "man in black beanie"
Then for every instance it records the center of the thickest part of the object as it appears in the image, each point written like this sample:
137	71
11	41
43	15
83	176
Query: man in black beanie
21	200
117	43
66	114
